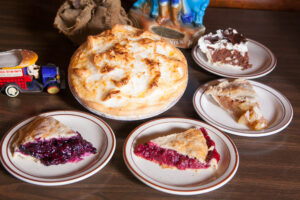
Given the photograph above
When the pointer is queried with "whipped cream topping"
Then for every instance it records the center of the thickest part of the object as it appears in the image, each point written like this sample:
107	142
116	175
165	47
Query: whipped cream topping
228	39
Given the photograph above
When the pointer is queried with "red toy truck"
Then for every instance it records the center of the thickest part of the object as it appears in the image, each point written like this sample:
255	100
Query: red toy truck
18	73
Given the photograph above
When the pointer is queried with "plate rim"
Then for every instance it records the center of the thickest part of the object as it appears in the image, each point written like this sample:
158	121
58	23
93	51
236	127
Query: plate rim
268	69
176	191
96	167
249	133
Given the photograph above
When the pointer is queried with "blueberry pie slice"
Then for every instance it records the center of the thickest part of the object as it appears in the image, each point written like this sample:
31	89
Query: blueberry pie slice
191	149
49	141
239	99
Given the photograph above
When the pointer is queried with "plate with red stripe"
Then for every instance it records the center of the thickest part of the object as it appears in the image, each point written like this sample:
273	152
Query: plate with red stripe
275	108
91	128
262	59
175	181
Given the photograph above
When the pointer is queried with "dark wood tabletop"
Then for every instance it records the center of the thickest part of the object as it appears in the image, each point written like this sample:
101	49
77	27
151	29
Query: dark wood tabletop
269	166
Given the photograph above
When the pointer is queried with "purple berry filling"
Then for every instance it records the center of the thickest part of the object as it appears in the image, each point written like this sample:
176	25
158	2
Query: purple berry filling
58	151
150	151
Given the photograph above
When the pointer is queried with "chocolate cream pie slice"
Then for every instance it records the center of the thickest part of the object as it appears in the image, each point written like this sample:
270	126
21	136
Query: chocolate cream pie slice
239	99
49	141
192	149
226	48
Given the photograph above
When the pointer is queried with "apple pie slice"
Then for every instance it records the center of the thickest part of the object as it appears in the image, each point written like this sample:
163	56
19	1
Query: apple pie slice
239	99
192	149
49	141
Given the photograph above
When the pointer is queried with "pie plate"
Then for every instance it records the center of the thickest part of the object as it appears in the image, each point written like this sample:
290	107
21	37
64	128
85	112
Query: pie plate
275	107
262	59
125	118
92	129
174	181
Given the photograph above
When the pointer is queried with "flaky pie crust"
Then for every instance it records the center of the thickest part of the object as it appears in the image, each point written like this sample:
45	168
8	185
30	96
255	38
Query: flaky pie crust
41	128
191	143
127	72
239	99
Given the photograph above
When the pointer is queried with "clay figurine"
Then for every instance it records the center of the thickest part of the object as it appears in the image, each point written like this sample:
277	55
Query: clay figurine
19	73
179	21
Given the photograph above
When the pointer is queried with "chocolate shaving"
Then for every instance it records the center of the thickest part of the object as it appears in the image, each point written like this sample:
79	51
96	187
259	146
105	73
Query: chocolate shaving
212	39
234	38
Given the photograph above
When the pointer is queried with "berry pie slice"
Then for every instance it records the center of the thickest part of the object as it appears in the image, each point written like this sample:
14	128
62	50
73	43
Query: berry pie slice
192	149
239	99
49	141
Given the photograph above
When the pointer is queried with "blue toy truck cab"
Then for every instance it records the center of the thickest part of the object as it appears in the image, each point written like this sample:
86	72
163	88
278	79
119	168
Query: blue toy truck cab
51	78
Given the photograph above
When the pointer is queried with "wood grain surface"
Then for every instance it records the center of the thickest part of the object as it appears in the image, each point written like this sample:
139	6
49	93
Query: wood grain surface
269	166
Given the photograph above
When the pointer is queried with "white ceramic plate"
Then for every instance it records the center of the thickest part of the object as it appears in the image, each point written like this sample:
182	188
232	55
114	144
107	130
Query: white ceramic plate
275	107
262	59
181	182
92	128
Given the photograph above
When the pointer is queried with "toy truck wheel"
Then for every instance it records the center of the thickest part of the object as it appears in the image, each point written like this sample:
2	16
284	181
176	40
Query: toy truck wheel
11	91
53	89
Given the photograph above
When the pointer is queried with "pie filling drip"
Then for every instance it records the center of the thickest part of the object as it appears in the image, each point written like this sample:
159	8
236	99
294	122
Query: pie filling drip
58	151
170	158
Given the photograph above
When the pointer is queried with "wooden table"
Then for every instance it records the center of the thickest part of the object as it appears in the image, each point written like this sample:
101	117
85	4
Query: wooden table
269	166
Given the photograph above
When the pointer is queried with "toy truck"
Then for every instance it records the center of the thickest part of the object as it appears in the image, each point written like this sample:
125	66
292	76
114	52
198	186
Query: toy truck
19	73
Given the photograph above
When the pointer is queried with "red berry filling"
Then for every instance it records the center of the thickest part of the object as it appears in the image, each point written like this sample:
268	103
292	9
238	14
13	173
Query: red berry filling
58	151
151	151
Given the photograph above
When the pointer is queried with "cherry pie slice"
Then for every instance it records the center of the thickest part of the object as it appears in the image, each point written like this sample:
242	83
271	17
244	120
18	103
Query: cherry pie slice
192	149
49	141
239	99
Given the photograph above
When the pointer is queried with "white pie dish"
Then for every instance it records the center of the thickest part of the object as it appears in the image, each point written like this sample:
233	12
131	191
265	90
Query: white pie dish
180	182
262	59
92	128
275	107
127	118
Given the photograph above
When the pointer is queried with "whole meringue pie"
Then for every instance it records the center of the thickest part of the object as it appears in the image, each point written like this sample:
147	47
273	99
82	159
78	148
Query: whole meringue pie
127	73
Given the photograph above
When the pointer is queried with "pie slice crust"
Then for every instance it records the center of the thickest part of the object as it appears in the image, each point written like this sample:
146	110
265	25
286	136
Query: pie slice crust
50	142
191	149
239	99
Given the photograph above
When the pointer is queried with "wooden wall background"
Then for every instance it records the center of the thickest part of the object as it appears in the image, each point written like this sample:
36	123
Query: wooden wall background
288	5
284	5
